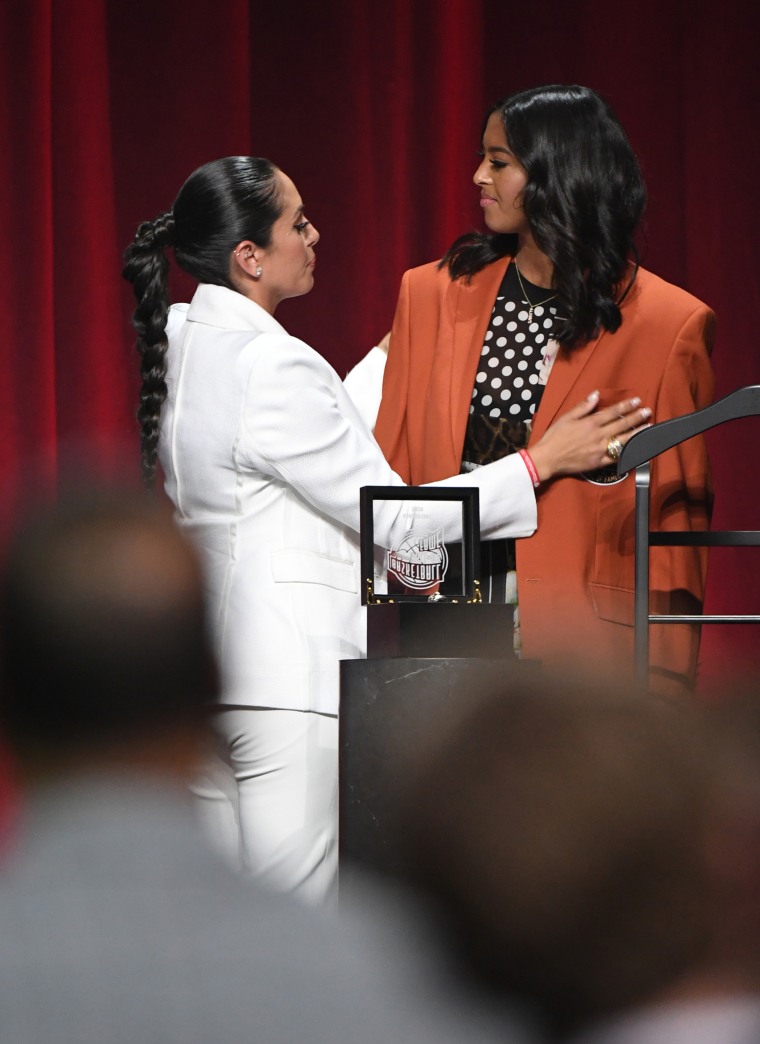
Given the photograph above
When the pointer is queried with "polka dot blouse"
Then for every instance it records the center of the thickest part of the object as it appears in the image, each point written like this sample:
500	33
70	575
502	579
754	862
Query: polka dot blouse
508	384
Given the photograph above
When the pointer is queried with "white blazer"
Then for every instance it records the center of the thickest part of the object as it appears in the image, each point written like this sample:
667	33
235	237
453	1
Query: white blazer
264	454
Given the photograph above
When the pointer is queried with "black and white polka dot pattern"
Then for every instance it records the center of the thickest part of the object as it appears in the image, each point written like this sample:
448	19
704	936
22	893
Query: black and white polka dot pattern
507	381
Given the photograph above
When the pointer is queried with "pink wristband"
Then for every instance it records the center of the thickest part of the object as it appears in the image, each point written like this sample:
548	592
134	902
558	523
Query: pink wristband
528	462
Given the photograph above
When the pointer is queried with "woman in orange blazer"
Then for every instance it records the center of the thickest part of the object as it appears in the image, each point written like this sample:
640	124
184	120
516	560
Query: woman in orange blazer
496	340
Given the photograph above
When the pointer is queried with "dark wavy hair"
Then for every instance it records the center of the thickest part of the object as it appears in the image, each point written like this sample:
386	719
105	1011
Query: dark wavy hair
220	204
583	201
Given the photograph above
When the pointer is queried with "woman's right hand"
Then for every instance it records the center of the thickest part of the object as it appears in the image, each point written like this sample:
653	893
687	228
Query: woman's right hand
578	440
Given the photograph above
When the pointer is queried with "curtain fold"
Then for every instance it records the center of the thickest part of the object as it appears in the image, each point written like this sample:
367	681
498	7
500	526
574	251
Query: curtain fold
379	132
92	395
28	401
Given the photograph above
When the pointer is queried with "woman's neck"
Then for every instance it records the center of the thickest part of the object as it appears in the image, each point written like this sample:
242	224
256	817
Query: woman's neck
534	265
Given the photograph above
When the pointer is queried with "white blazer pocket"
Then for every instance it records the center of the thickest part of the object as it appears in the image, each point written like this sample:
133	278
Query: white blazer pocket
306	567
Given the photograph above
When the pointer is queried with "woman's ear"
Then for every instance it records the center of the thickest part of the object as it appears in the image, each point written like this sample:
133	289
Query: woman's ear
247	258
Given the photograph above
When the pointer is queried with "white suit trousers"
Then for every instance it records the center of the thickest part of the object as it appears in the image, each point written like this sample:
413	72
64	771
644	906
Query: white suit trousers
269	801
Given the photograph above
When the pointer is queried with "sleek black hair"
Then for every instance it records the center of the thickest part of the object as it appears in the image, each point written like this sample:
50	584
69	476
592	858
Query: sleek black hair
103	627
220	204
583	201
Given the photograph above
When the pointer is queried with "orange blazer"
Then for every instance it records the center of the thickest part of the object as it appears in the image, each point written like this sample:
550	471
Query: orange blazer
575	576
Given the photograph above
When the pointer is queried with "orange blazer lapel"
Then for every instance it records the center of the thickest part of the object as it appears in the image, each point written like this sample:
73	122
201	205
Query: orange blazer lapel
558	395
561	389
469	306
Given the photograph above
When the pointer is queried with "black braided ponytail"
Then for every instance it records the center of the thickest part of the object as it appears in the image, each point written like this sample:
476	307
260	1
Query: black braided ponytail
147	268
220	204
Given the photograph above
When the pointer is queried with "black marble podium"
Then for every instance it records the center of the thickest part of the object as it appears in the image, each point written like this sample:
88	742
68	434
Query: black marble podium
424	663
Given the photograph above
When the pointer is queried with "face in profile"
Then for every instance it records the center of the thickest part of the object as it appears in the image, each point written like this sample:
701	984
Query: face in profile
501	179
289	260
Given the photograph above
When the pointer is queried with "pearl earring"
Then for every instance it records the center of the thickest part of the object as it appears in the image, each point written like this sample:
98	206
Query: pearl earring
259	270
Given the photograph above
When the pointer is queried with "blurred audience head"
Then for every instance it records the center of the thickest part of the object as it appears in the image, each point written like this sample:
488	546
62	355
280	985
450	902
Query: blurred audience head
102	620
733	850
561	828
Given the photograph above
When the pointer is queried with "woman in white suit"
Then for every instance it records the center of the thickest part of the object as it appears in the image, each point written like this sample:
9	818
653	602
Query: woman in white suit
264	453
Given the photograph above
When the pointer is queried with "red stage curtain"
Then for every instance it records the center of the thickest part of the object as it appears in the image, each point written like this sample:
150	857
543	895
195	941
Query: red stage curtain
375	110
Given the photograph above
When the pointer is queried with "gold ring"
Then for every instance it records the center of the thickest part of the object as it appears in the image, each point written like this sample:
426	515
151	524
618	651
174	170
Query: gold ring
614	449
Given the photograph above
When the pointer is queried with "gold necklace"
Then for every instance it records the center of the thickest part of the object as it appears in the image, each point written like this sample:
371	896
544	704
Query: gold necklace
531	307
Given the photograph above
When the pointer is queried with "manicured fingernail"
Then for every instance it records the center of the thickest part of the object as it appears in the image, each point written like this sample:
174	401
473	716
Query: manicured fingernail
635	401
645	411
593	395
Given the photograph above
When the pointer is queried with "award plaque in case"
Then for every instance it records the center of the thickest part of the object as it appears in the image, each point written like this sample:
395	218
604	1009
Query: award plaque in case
422	592
421	565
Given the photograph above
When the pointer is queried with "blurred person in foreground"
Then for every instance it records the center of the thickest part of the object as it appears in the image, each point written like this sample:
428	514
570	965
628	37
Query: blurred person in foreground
595	855
117	923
